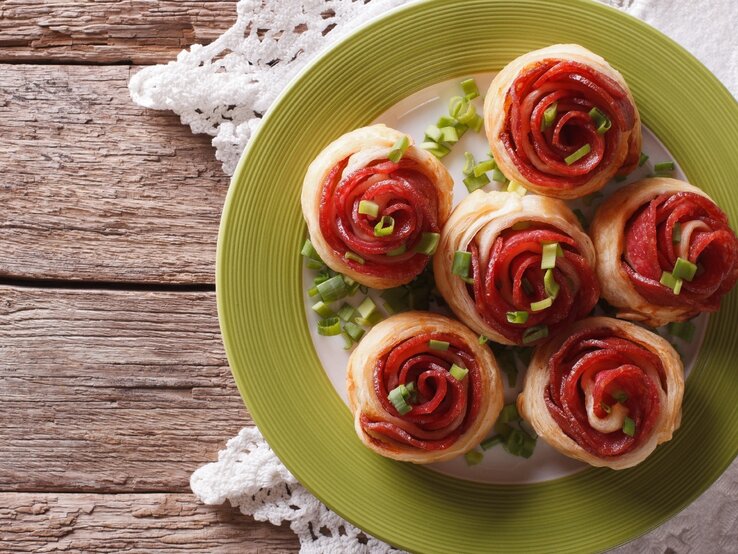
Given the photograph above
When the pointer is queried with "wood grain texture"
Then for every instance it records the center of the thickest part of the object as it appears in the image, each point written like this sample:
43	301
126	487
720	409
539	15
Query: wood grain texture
93	523
108	31
95	188
111	391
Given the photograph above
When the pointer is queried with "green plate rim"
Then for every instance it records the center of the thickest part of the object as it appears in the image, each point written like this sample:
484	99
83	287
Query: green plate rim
460	515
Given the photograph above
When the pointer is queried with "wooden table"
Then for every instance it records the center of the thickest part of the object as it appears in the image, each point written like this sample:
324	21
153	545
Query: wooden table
114	385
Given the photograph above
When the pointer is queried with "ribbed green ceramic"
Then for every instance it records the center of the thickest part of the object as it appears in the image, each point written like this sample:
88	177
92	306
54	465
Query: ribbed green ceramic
260	295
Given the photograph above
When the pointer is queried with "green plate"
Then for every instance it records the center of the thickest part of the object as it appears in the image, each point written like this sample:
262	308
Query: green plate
261	305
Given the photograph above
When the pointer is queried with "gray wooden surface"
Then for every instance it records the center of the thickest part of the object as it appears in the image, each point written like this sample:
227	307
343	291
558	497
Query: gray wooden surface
113	382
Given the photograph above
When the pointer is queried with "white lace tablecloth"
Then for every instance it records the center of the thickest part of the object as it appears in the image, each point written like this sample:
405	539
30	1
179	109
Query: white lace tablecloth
224	88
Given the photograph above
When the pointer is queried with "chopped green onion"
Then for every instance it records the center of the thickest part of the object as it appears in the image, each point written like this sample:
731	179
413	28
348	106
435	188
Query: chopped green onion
684	269
434	344
346	312
473	457
509	413
351	285
433	133
428	243
629	427
397	251
308	250
486	444
385	227
601	121
643	159
348	342
329	327
484	167
323	309
367	207
332	289
549	115
476	123
498	176
320	278
354	331
483	339
578	154
473	183
469	164
461	263
447	121
549	254
461	109
367	308
517	317
398	149
668	280
397	397
517	188
664	167
449	134
535	333
605	408
458	372
354	257
541	304
470	89
396	299
520	226
683	329
620	396
676	232
549	282
314	264
312	291
580	217
438	150
520	443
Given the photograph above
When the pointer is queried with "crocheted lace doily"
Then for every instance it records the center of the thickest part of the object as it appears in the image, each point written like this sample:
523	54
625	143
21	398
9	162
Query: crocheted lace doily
224	88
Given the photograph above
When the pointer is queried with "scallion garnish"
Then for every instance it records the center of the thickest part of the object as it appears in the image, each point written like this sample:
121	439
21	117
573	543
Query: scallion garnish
312	291
550	284
332	289
520	443
351	285
486	444
517	317
676	233
517	188
684	269
348	342
483	339
549	115
367	308
620	396
314	264
541	304
308	250
601	121
398	149
385	227
354	257
447	121
438	150
664	167
484	167
643	159
629	427
323	309
434	344
469	163
346	312
398	397
498	176
469	86
449	135
329	327
473	183
354	331
549	254
683	329
433	133
578	154
473	457
397	251
476	123
668	280
461	263
428	244
458	372
367	207
535	333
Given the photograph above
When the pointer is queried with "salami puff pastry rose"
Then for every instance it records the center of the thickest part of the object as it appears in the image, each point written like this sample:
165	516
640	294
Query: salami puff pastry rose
422	389
604	391
562	122
374	205
665	251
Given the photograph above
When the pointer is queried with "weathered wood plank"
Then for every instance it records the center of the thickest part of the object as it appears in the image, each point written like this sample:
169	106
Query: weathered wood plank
91	523
96	188
108	31
111	391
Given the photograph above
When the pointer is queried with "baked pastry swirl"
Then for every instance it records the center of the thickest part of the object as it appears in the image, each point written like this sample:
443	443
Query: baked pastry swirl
422	389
